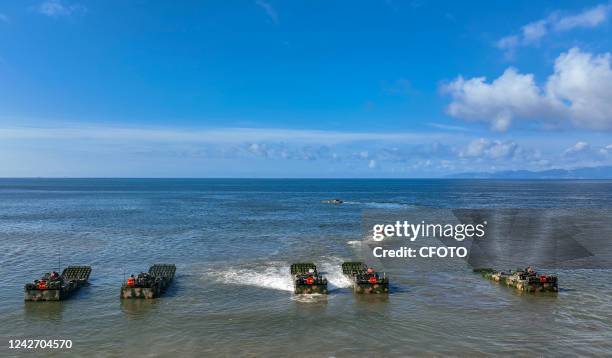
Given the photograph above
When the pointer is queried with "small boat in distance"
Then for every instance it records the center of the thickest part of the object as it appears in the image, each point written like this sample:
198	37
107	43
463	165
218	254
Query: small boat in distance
332	201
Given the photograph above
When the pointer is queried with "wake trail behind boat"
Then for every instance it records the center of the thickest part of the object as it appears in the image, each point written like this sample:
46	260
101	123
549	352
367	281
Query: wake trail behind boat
377	205
276	275
273	276
332	270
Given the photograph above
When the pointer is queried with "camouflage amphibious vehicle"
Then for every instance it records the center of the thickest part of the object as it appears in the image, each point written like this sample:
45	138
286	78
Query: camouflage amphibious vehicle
527	280
365	279
55	287
149	285
306	279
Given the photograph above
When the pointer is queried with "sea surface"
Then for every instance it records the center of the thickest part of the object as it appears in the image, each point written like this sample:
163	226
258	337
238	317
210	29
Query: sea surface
233	241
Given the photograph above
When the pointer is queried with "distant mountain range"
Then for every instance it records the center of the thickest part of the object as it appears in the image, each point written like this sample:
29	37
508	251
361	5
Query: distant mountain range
604	172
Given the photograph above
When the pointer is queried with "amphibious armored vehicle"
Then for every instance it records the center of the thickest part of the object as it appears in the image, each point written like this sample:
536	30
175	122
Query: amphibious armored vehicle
365	279
55	287
149	285
307	280
525	280
332	201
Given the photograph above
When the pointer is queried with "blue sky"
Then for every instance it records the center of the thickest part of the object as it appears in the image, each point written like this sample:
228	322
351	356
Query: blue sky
303	88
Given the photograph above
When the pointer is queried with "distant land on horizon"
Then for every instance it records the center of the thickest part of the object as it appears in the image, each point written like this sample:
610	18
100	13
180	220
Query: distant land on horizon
598	172
602	172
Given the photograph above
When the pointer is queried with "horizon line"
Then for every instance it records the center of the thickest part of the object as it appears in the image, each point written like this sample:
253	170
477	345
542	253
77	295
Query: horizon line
305	178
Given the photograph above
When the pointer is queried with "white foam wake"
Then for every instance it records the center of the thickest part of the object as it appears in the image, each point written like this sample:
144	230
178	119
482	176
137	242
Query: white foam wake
377	205
332	269
274	276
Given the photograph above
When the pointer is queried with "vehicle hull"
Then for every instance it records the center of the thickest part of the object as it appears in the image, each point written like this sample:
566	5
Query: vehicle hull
305	289
371	288
163	275
523	284
357	272
72	278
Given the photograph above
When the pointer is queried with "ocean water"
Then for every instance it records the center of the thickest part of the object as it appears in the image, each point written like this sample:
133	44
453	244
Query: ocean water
233	241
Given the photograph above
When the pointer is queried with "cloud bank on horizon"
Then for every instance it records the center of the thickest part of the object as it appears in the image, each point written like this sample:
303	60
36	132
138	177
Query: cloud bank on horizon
306	89
253	152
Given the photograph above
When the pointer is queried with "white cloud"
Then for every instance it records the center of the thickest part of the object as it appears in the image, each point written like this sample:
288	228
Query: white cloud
56	8
508	43
491	149
578	92
588	18
583	83
447	127
258	149
512	94
584	154
265	150
579	147
534	31
269	9
217	135
475	149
